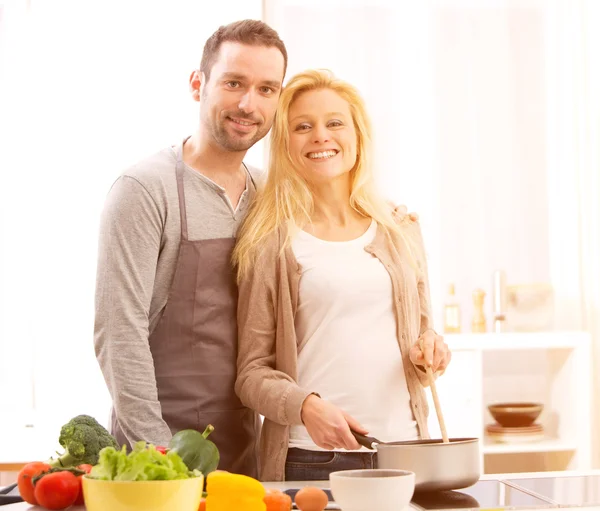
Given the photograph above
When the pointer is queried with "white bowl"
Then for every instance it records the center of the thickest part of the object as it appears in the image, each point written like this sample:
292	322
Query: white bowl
372	489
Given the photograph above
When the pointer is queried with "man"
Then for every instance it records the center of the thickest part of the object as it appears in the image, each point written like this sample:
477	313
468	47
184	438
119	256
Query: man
165	330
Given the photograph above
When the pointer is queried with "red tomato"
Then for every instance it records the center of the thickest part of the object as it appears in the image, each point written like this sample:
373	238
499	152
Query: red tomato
87	469
24	480
161	449
57	490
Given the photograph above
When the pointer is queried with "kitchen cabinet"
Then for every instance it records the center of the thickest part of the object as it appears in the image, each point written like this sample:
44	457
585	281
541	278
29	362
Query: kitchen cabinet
552	368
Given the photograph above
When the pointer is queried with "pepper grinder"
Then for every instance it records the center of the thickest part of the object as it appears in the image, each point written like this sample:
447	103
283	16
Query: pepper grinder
478	323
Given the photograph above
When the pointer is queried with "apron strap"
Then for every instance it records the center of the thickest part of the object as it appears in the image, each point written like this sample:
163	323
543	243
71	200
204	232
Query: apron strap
181	193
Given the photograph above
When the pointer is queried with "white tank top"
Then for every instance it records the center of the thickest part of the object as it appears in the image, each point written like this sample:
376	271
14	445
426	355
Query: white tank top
348	349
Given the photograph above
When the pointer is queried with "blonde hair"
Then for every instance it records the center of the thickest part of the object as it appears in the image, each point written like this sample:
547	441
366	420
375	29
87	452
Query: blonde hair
286	200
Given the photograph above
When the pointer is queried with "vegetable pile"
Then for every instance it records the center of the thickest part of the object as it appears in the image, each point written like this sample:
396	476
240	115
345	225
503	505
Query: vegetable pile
90	449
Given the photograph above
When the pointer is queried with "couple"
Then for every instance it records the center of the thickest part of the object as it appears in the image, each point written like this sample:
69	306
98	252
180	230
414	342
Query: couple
331	298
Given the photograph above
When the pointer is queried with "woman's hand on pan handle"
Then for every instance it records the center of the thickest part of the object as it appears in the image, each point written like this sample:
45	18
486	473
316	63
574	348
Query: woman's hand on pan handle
434	352
328	426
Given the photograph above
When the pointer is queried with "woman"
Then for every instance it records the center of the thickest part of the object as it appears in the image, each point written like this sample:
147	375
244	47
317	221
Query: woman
333	294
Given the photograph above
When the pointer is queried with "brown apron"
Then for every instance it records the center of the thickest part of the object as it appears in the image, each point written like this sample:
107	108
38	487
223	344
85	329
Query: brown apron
194	347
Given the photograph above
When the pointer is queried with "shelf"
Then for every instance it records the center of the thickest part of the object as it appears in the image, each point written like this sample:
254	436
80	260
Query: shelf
540	447
553	368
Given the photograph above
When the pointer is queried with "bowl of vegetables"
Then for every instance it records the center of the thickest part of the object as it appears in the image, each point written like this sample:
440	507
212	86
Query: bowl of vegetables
143	480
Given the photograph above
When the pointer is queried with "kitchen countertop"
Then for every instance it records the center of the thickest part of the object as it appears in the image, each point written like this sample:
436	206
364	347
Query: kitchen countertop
542	491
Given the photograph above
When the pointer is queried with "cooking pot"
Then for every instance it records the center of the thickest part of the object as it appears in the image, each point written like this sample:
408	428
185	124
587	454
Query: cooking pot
437	465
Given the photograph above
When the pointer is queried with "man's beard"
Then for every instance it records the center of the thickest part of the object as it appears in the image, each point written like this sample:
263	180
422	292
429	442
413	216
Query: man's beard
230	141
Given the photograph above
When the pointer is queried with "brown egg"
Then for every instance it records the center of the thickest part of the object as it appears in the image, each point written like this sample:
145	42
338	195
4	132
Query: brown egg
311	499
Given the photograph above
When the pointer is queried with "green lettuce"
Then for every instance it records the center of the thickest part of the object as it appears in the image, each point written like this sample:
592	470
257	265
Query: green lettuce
144	463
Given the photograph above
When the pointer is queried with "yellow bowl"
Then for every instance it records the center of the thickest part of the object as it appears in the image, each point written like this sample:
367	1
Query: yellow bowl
178	495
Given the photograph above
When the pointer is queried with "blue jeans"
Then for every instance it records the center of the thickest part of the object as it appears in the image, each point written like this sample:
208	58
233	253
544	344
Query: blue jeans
304	465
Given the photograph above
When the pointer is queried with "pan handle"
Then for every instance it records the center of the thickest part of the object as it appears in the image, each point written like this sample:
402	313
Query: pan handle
365	441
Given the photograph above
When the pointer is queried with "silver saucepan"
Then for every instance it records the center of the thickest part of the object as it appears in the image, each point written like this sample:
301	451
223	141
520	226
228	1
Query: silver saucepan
437	466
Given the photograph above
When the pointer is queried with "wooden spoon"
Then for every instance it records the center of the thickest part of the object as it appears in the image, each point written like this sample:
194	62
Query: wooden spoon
436	400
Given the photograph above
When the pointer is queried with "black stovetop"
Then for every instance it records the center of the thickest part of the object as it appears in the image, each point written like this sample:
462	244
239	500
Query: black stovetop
483	494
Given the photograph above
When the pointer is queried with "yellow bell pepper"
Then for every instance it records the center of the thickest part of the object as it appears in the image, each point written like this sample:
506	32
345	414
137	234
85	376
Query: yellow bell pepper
228	492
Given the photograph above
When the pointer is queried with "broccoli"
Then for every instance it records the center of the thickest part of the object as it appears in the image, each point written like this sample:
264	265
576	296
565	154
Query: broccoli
83	438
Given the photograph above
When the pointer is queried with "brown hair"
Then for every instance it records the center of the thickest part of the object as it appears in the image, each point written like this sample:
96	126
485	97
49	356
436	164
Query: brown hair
250	32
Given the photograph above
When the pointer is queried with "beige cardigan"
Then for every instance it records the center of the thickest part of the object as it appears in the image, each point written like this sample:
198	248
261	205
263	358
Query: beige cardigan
267	358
